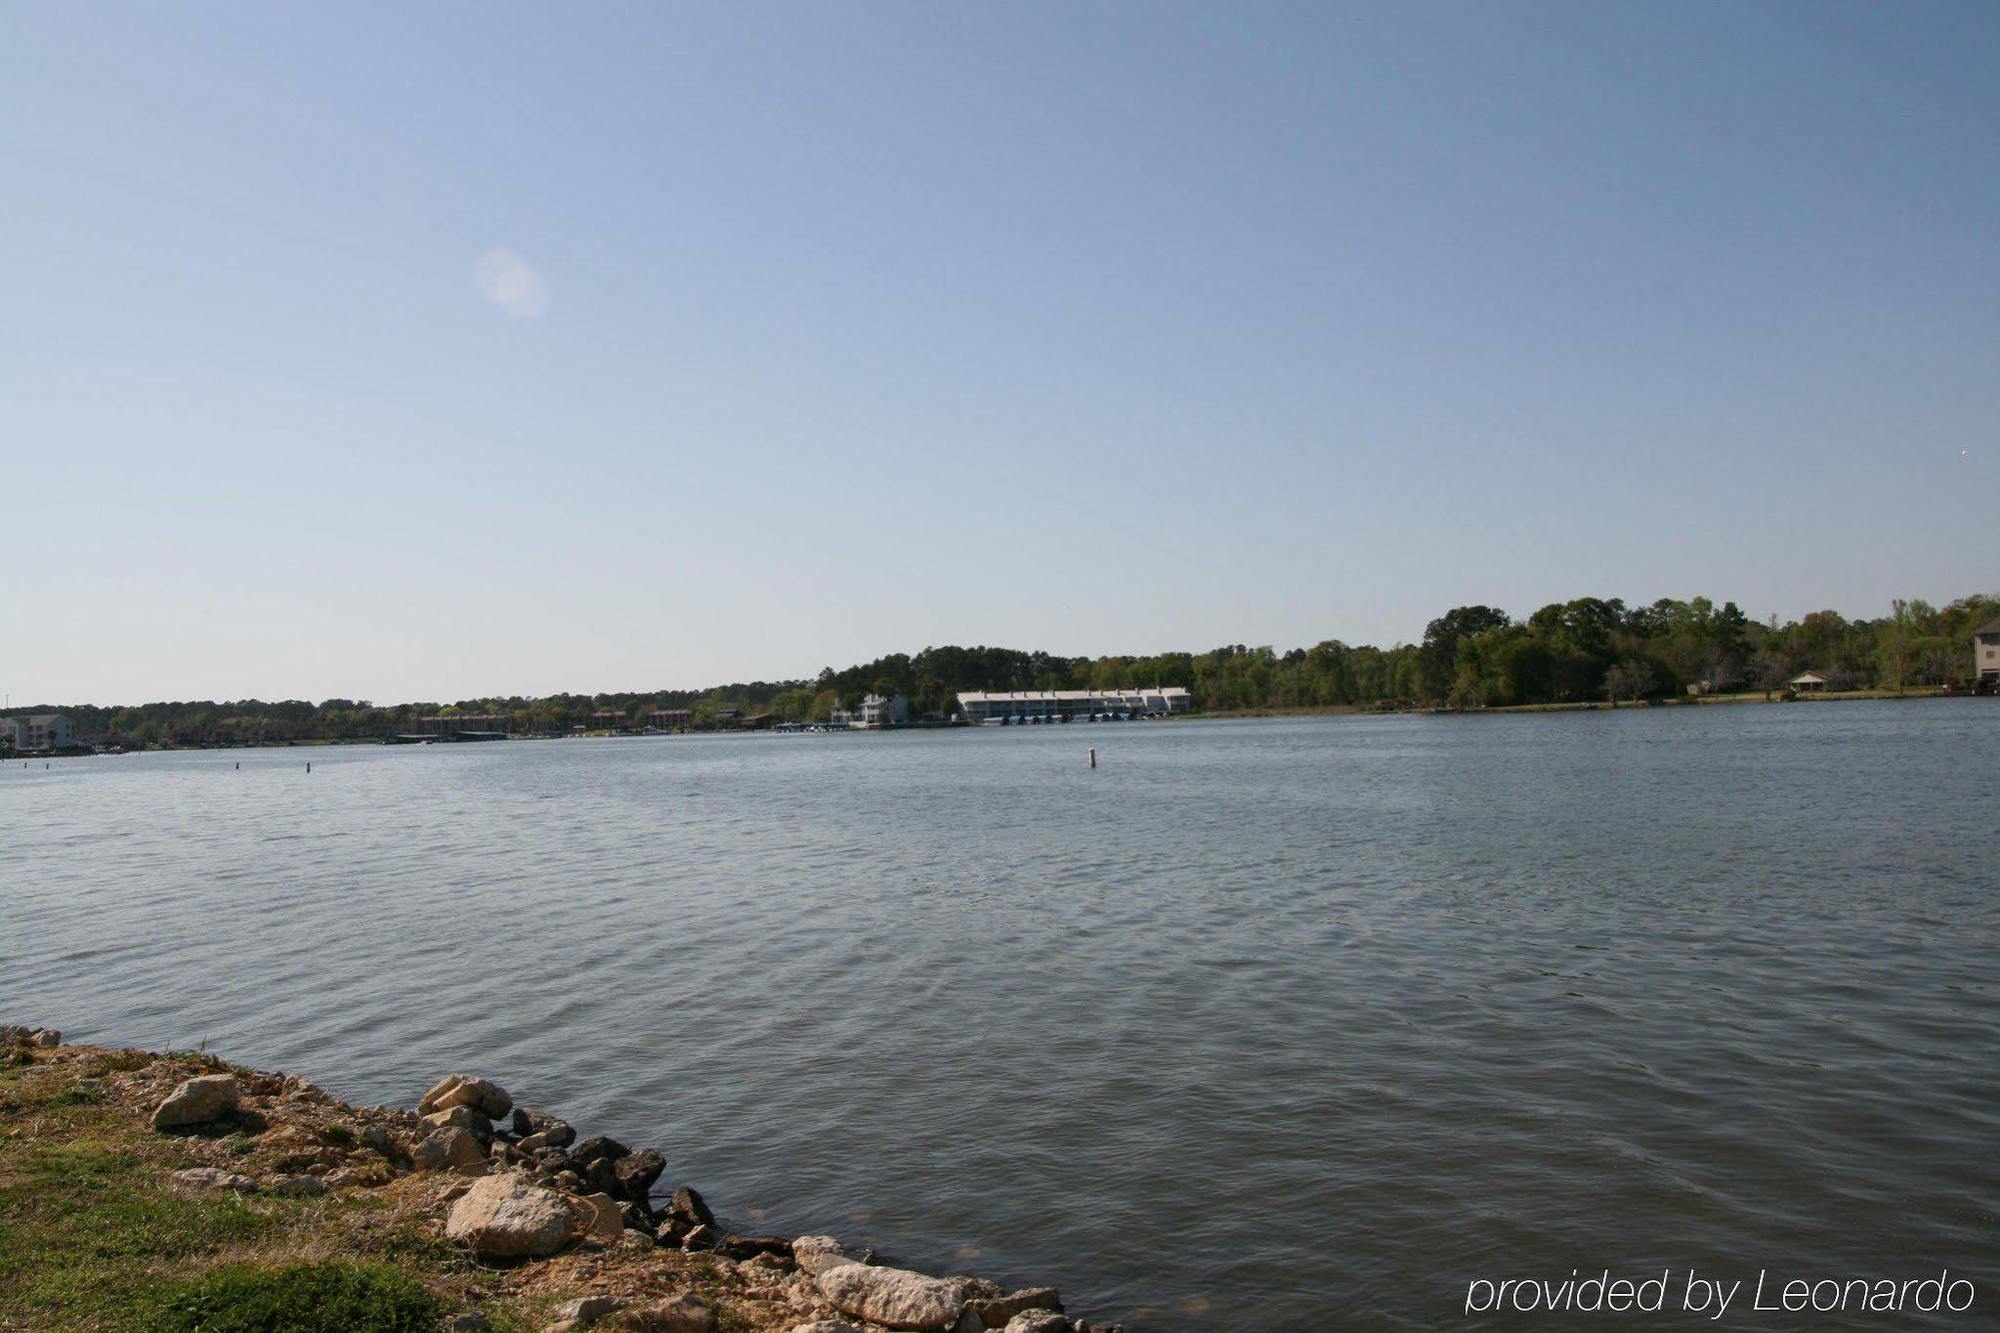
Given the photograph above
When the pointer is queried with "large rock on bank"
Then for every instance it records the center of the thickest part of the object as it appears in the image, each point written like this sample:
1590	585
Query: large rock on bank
481	1094
507	1217
445	1148
815	1254
999	1311
199	1101
1039	1321
212	1178
685	1313
894	1297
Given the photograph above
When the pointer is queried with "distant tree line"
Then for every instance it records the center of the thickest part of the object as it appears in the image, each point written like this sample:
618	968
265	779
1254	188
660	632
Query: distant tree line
1593	648
1472	656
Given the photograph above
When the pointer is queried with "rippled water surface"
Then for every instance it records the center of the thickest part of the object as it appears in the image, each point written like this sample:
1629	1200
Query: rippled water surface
1261	1025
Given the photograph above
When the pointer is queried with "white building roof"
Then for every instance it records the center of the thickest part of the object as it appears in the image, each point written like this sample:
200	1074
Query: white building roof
1067	696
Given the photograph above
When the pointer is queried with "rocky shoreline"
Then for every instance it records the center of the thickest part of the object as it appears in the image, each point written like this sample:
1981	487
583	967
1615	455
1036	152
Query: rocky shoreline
579	1227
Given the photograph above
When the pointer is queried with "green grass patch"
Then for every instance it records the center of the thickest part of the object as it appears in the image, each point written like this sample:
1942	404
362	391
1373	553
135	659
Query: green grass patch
86	1238
119	1062
338	1296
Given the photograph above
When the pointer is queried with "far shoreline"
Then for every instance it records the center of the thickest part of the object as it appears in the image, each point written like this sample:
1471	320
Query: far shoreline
1581	705
1209	715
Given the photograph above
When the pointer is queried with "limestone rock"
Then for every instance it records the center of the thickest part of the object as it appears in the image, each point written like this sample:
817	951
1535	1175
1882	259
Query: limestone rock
816	1254
302	1187
599	1146
637	1171
603	1216
447	1147
752	1247
684	1313
824	1326
587	1310
465	1118
1039	1321
505	1217
46	1037
997	1312
198	1101
212	1178
482	1095
545	1130
892	1296
686	1211
601	1176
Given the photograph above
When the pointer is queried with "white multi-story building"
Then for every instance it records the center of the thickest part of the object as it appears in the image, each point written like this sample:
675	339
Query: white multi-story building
38	731
876	713
1072	705
1986	651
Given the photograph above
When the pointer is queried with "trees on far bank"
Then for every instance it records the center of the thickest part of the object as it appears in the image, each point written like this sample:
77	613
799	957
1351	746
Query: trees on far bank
1593	648
1470	657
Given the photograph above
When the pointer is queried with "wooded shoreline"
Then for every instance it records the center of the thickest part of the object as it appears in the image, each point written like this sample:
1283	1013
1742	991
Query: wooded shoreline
1566	653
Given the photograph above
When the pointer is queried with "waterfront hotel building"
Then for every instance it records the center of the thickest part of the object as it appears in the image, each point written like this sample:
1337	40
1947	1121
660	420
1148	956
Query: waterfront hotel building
1071	705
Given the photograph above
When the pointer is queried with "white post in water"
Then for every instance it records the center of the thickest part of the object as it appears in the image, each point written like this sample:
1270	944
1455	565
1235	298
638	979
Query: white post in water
1093	756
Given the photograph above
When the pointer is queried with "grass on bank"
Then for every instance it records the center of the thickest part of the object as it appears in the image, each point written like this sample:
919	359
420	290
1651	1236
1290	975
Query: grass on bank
329	1297
91	1237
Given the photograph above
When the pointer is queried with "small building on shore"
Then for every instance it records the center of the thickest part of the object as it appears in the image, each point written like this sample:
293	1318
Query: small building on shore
876	712
985	706
1986	652
670	719
879	711
1808	680
464	726
38	731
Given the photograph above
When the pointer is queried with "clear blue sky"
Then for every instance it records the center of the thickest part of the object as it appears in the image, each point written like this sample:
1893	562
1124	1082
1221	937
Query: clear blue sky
425	351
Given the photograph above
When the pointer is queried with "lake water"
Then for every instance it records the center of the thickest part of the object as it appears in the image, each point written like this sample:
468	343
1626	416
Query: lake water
1261	1025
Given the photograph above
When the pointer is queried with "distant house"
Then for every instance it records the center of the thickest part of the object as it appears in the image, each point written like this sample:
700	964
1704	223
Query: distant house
608	719
1808	680
38	731
877	712
670	719
1986	651
465	726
